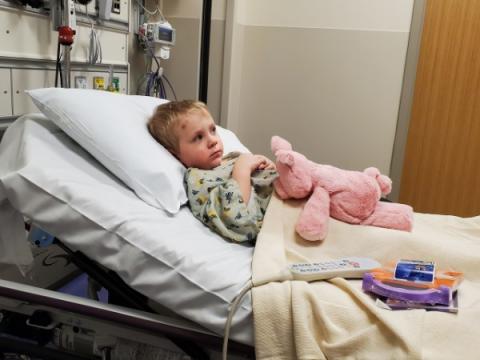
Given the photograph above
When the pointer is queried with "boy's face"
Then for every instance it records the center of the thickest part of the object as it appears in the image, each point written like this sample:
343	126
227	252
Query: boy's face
198	142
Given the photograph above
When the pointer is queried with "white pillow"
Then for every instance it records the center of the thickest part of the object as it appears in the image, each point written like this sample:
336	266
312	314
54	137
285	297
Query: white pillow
112	128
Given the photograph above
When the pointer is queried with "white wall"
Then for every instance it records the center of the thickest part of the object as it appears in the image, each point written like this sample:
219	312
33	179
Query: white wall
375	15
325	74
28	51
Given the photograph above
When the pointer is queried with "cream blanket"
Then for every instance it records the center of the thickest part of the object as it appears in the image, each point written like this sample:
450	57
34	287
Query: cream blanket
335	319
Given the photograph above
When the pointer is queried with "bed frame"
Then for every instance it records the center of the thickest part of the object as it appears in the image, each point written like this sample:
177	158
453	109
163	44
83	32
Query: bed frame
127	309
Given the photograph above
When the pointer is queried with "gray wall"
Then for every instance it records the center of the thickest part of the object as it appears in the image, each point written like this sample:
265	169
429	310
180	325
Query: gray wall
214	96
326	75
328	91
182	68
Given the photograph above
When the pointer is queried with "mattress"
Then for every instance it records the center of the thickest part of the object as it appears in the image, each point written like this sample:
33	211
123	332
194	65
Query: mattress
174	260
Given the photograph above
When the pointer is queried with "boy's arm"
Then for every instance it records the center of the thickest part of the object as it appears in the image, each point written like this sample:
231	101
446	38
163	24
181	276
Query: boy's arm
242	170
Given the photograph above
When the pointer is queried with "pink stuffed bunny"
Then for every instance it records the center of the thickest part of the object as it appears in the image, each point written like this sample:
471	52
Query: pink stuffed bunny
349	196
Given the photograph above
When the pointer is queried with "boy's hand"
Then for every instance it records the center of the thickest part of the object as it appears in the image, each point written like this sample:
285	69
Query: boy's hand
266	163
245	165
254	162
248	163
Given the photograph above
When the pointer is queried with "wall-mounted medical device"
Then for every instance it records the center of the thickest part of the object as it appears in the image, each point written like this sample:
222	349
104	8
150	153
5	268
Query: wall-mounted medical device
62	13
156	39
158	32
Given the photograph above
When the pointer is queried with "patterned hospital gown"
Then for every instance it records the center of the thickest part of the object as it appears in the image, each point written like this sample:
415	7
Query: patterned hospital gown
216	200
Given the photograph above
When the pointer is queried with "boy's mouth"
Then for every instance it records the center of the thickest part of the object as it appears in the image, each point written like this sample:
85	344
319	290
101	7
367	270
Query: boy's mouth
216	154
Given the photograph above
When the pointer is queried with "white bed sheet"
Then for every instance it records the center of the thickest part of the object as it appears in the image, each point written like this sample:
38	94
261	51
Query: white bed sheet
173	260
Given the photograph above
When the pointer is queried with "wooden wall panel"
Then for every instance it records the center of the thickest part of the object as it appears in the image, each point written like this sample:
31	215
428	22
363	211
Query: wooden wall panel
441	172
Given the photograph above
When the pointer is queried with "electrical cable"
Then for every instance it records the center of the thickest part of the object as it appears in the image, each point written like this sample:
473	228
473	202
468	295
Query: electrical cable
171	87
57	65
232	309
163	93
62	49
161	13
150	50
149	84
155	85
154	91
149	12
95	47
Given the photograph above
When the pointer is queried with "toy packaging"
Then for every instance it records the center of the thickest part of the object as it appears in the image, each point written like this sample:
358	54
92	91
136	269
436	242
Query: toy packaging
414	284
393	304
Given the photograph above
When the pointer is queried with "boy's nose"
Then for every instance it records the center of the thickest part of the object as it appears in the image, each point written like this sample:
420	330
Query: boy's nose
212	141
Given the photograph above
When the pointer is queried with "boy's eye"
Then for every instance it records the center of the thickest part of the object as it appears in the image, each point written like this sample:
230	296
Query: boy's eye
214	130
198	137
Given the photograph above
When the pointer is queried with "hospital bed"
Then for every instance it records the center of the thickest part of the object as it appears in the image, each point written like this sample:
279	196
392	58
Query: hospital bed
173	281
181	276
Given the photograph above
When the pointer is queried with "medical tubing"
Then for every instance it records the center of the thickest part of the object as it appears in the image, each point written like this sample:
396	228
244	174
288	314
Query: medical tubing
152	86
149	48
146	85
231	313
149	84
155	86
163	92
155	79
170	86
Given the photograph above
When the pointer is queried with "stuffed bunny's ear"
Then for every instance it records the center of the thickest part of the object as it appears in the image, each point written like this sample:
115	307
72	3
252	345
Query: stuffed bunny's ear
277	143
286	158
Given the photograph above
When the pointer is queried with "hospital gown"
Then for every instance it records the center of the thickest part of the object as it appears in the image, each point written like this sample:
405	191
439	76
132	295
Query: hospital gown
216	200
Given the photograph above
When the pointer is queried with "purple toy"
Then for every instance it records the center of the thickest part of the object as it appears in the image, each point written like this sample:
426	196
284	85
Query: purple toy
442	295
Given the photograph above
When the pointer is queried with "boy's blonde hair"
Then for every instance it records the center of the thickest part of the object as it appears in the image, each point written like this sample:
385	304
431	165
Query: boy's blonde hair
162	125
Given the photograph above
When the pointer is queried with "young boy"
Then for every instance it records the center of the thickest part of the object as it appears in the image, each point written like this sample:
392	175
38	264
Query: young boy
228	193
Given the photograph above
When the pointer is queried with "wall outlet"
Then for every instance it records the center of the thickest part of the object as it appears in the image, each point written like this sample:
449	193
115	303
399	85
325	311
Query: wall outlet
99	83
81	82
116	84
